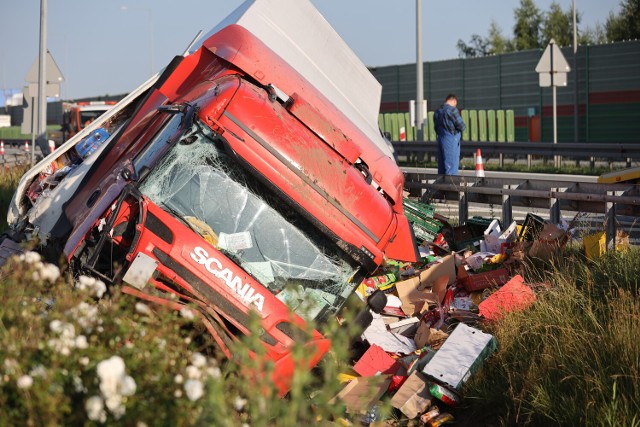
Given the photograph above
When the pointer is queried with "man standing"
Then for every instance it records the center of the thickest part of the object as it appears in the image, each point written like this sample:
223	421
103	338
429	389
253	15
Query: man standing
449	127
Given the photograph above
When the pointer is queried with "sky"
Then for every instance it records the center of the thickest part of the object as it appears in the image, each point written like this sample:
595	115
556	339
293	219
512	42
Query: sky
104	46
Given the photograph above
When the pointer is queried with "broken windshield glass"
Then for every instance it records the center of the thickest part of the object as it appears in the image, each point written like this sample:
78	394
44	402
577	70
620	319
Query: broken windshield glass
243	219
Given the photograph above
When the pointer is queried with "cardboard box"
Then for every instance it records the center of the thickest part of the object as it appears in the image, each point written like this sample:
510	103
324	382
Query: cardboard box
413	398
460	356
412	292
478	281
362	393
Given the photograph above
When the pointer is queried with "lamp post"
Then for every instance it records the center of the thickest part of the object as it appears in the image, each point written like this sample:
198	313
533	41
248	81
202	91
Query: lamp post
150	12
419	72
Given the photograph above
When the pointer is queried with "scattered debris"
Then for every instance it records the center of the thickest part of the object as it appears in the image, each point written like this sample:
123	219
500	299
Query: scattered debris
428	341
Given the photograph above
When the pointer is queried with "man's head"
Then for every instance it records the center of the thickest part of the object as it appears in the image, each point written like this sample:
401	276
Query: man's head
451	100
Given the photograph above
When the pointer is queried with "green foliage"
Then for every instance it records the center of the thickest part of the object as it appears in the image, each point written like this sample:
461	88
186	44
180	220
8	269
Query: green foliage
526	31
56	339
626	25
558	25
572	359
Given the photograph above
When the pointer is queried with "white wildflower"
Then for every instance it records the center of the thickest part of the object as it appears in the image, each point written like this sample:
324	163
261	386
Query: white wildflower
198	360
66	337
141	424
114	384
86	315
178	379
187	313
194	389
213	372
30	257
143	309
239	403
10	366
177	393
193	372
38	371
84	360
49	272
128	386
95	287
78	386
95	409
81	342
25	382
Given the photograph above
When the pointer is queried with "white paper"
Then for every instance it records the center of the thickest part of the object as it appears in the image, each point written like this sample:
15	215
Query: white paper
390	342
236	241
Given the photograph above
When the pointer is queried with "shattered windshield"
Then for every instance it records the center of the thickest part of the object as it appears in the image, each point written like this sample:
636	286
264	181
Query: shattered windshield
229	208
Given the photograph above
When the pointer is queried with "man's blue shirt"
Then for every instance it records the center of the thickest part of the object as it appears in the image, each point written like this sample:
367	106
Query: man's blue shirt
447	118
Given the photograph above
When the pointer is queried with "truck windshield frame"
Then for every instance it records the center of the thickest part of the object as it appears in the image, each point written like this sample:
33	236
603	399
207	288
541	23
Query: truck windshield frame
198	182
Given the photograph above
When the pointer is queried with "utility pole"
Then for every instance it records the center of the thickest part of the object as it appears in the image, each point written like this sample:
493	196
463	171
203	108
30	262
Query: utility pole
419	73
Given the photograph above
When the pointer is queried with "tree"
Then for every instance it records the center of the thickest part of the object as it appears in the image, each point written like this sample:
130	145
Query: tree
593	35
626	25
494	43
497	42
558	25
478	46
527	29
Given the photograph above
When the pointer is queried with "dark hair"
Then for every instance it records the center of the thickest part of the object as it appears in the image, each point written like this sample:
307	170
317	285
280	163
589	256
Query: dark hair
450	97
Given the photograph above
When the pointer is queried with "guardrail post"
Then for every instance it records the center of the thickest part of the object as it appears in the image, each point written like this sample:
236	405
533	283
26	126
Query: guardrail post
529	161
507	207
463	204
610	217
501	161
554	206
611	223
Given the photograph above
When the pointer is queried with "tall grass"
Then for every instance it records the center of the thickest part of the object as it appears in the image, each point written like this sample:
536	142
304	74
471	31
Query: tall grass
574	357
9	179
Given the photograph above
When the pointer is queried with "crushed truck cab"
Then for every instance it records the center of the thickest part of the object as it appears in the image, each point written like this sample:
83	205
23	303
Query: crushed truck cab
231	182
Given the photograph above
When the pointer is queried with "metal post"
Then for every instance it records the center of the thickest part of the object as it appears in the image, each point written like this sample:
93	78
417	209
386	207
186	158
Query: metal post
42	83
419	73
610	211
463	204
554	206
507	207
575	76
33	133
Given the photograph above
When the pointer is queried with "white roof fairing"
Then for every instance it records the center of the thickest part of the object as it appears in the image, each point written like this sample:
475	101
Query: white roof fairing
301	36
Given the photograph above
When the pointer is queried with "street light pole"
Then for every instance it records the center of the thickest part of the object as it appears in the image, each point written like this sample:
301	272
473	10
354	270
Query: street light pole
42	85
419	73
575	75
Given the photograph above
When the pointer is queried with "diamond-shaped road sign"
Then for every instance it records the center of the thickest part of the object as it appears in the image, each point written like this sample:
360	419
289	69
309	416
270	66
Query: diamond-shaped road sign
553	63
54	75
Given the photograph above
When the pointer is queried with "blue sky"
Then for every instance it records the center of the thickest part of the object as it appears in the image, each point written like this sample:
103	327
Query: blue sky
103	49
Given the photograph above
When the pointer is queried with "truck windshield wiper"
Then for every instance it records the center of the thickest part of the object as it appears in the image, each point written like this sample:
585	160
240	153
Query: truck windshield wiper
179	215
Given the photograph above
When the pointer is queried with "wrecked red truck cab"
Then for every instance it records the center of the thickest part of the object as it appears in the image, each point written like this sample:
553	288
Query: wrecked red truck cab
233	183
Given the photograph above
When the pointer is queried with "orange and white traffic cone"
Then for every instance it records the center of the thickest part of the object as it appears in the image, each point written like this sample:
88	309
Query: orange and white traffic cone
479	164
2	148
52	146
26	146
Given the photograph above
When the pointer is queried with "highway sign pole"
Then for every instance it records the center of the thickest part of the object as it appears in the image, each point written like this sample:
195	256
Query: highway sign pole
555	109
576	135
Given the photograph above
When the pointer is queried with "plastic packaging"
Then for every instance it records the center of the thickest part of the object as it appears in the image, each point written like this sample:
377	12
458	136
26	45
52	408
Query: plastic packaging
384	282
441	419
91	143
444	394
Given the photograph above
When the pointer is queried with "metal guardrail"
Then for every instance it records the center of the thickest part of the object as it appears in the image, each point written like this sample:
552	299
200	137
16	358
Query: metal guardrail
557	196
617	152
